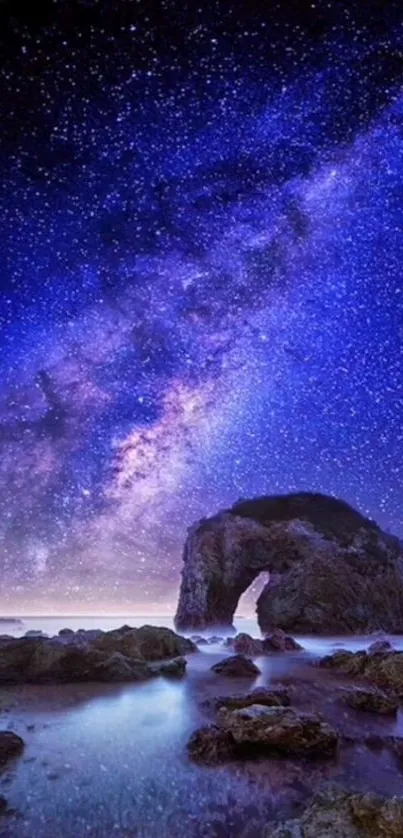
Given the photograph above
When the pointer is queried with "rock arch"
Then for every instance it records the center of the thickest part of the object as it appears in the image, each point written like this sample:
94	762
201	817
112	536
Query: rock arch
331	569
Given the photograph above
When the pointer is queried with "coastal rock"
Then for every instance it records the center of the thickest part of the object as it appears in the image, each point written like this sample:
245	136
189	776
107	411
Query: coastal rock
337	814
369	699
210	744
171	669
158	643
265	696
280	729
279	641
11	745
244	644
119	655
198	640
237	666
260	730
66	632
119	668
383	669
331	569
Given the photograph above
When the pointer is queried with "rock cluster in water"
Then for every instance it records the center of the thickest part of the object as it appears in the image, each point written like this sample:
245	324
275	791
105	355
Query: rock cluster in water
124	654
338	814
381	665
332	571
264	723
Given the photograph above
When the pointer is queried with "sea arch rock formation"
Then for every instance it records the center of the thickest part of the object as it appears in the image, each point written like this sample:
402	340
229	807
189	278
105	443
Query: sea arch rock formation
332	570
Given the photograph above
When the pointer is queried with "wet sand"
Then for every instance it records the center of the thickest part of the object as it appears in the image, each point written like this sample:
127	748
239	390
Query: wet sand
108	760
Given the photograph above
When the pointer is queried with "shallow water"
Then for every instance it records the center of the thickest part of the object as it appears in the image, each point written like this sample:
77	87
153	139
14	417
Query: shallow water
111	760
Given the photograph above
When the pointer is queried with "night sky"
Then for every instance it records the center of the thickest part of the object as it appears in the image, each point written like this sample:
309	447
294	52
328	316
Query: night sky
201	280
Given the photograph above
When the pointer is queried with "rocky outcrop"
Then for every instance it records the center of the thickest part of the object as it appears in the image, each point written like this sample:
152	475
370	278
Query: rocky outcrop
338	814
125	654
11	745
331	569
260	730
369	699
266	696
385	669
237	666
279	641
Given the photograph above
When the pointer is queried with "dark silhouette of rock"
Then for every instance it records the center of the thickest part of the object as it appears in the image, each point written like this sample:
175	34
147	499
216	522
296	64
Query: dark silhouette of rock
280	729
120	655
66	632
380	646
370	699
331	569
244	644
268	697
385	669
211	744
260	730
11	745
171	669
237	666
339	814
280	642
199	640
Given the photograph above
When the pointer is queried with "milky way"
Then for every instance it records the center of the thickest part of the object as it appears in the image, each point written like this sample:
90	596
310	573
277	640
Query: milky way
201	293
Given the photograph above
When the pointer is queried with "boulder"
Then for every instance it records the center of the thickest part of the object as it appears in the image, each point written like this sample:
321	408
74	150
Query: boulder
171	669
118	655
66	632
198	640
349	663
11	745
119	668
158	643
279	641
332	570
383	669
369	699
244	644
268	697
259	730
237	666
210	744
338	814
280	729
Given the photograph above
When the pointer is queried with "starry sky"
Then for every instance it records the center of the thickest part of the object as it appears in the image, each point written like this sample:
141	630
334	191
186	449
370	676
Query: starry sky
201	280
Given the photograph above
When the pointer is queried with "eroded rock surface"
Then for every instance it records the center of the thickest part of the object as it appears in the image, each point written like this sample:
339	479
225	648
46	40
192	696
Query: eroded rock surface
331	569
258	729
337	814
237	666
385	669
369	699
266	696
120	655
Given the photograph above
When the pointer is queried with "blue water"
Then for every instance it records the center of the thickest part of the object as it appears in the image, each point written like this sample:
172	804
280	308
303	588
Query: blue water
110	760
